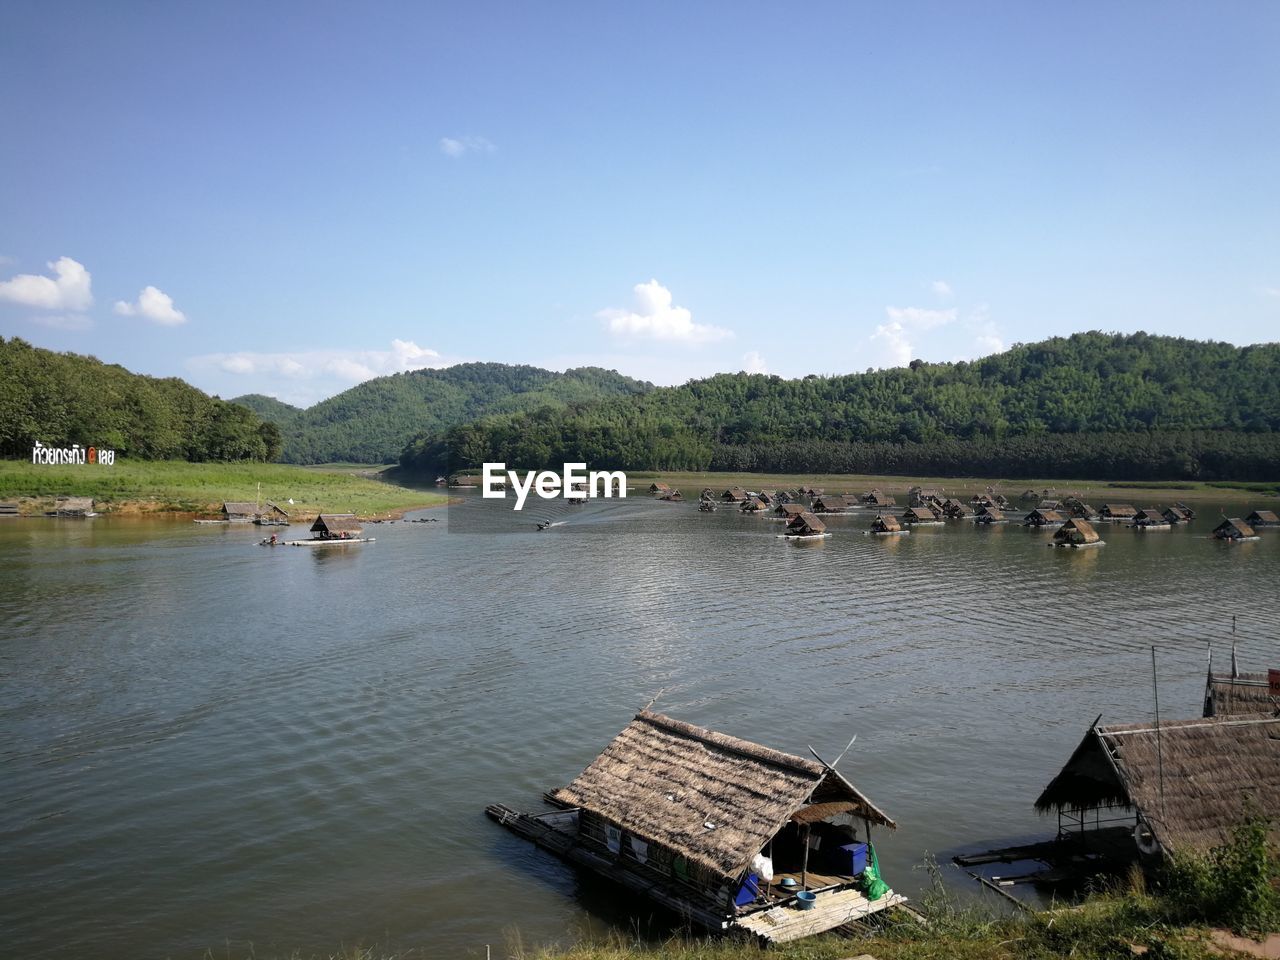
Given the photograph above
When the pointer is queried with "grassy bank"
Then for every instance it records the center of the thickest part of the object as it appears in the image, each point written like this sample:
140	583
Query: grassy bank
1094	491
177	486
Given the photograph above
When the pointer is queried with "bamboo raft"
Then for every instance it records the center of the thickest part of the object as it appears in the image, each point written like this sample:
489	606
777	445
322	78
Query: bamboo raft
318	542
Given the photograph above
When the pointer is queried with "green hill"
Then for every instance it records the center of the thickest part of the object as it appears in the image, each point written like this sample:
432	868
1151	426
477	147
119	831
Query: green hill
372	422
1092	404
268	408
60	399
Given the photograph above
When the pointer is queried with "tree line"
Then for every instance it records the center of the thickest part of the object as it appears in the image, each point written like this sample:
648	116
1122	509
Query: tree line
1090	405
64	398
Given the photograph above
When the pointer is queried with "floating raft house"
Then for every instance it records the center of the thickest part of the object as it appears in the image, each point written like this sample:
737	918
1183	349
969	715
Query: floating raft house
1186	784
1077	533
1242	694
805	526
1234	530
1262	518
692	818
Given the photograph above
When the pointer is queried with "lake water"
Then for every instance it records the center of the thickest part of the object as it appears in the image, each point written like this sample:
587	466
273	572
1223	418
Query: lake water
206	744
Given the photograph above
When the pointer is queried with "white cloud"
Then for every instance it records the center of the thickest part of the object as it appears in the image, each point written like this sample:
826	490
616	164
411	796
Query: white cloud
1271	291
655	318
895	340
753	362
460	146
68	290
941	289
345	366
154	305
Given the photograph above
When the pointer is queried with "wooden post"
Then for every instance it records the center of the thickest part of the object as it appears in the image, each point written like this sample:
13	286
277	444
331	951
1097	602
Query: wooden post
804	865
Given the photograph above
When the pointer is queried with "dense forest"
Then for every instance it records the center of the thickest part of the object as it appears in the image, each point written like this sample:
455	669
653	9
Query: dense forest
1090	405
269	408
64	398
372	422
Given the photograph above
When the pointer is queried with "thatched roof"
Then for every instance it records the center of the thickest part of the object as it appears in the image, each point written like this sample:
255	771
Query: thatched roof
336	523
806	523
829	504
991	513
1150	515
1215	771
1233	529
664	780
734	494
919	512
274	509
789	510
659	487
232	509
1076	530
1175	514
1043	516
1118	510
885	523
1244	695
75	504
1261	517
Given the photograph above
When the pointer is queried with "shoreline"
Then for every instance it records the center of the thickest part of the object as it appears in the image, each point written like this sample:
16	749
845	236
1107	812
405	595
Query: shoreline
180	490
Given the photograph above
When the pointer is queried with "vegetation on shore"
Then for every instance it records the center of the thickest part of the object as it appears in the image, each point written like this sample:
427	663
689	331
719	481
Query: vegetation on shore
175	486
1093	491
1134	407
60	399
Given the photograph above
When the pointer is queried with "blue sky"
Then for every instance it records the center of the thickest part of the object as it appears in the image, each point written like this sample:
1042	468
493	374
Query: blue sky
287	198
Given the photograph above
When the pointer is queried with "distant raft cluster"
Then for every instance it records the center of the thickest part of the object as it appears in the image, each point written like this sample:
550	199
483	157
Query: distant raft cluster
1069	516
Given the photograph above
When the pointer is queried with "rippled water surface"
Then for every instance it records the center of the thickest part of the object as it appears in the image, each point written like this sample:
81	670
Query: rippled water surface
205	742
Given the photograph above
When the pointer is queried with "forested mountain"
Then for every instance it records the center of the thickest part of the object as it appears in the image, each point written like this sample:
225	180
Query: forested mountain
1129	406
60	399
268	408
371	422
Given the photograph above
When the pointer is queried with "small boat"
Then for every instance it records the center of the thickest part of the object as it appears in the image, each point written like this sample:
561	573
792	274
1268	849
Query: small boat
544	524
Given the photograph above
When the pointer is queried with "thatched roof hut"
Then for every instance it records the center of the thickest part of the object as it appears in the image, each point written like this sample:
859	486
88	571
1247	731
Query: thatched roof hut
956	510
275	511
1150	517
989	515
734	495
1189	781
829	504
659	488
1234	528
710	798
885	523
1079	508
877	499
674	496
1049	505
239	510
1117	511
1242	695
919	514
755	505
1076	532
1042	518
1175	514
805	525
336	526
1262	518
788	510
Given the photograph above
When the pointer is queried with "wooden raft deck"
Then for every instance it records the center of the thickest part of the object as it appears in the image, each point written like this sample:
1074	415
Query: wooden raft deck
833	909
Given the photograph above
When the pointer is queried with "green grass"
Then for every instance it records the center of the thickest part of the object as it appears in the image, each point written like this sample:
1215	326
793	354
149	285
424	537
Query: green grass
142	486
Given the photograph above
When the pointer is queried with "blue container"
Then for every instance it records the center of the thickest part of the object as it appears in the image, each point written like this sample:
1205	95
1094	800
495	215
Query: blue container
849	860
806	900
748	892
